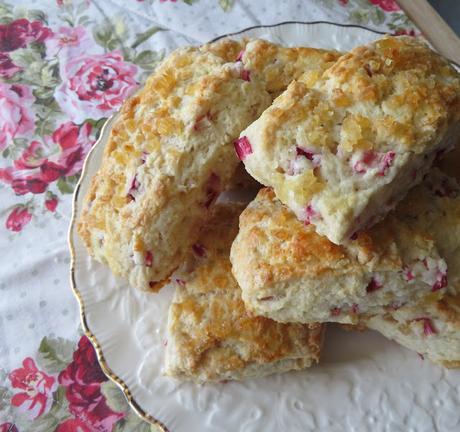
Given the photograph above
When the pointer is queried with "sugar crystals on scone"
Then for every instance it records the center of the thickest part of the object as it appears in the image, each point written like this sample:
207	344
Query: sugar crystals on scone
211	335
278	65
342	150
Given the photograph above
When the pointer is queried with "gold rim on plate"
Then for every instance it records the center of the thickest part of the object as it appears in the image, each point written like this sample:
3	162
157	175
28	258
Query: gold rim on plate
89	334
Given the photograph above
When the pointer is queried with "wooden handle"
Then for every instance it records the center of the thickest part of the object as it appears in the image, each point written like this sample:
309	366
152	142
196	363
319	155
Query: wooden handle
433	27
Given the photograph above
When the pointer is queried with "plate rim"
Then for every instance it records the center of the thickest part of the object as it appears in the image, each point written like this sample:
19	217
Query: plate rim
297	22
133	404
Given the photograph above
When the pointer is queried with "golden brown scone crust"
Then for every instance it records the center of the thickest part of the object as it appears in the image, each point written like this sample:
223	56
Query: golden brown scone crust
278	66
226	49
211	335
341	150
168	156
417	90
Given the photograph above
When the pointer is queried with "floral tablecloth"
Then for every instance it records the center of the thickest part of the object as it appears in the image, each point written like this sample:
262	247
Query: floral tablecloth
65	66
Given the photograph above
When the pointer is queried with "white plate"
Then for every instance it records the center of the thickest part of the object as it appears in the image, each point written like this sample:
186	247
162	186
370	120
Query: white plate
363	383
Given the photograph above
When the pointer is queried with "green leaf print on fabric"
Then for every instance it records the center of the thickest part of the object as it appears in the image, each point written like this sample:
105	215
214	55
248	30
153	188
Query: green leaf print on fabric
144	36
226	5
114	397
66	185
54	354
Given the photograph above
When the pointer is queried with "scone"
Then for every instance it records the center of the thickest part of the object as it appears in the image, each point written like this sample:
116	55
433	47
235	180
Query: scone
431	328
278	66
169	155
434	207
290	273
211	336
342	150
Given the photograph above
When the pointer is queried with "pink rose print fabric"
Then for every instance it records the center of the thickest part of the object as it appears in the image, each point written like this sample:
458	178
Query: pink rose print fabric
18	218
386	5
376	13
15	35
34	389
16	117
82	380
44	162
8	427
51	202
7	67
58	85
70	42
73	425
95	86
73	398
21	32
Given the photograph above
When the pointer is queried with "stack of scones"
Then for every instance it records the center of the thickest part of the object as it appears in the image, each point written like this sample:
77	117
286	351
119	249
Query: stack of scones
355	160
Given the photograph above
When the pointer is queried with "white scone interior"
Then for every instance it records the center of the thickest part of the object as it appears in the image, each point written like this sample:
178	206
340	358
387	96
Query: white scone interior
430	328
341	150
211	335
434	207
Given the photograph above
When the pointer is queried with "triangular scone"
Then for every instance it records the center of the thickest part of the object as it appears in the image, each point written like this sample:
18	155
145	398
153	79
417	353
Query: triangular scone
341	151
290	273
431	328
211	336
168	156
